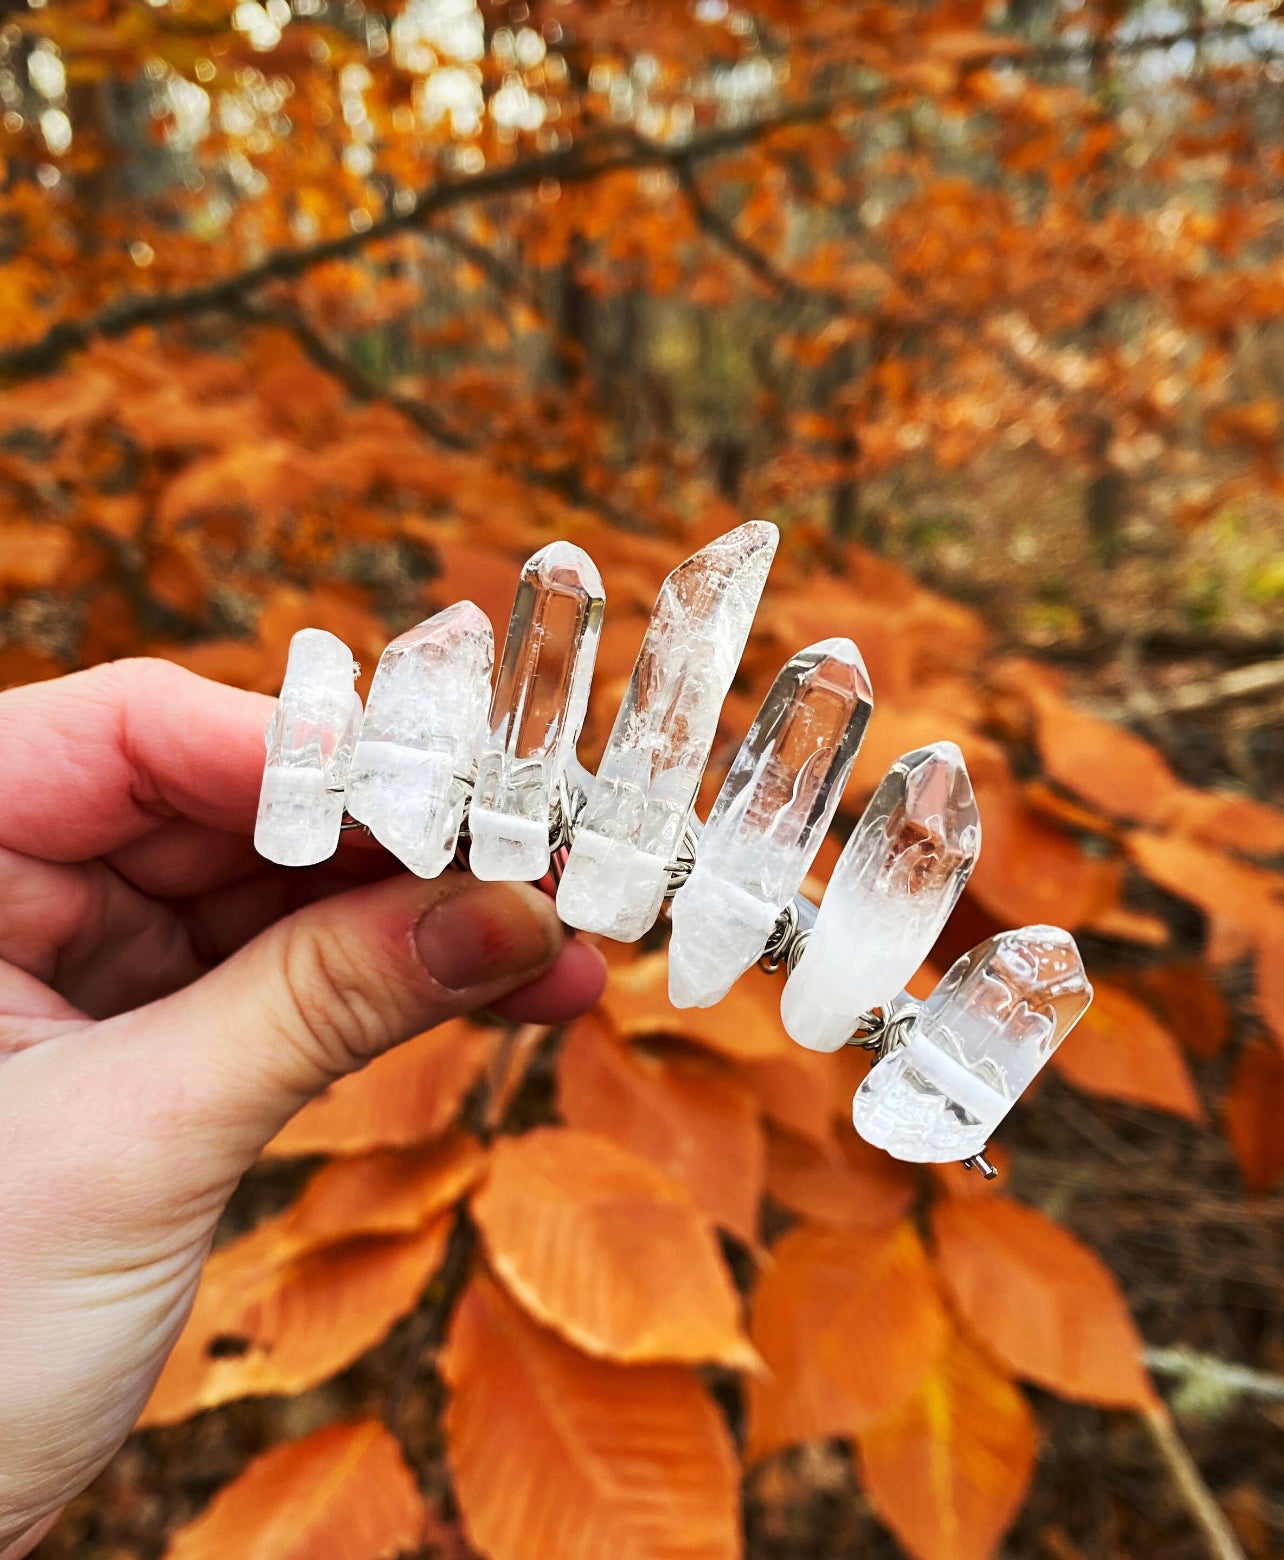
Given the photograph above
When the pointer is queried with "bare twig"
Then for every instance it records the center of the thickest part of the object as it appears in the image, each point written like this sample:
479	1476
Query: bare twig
1222	1543
1227	1378
509	1069
1241	682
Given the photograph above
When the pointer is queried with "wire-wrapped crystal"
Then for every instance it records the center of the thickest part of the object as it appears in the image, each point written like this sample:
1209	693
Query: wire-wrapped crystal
898	878
414	758
540	700
640	802
309	747
990	1025
768	820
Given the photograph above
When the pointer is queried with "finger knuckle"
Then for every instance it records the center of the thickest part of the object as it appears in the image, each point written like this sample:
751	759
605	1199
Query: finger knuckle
334	1005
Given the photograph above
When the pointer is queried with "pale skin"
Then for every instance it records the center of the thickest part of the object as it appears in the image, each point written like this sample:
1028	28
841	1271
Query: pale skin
167	1001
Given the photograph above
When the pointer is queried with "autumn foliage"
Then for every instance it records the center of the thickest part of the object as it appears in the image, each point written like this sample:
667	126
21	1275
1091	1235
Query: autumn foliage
322	314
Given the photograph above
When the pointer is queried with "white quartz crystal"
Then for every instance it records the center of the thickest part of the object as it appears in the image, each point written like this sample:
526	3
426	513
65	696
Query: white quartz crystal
309	746
536	713
414	757
640	802
769	819
987	1029
898	878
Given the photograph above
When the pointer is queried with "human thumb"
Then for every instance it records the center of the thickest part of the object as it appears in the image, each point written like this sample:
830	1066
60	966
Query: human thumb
322	992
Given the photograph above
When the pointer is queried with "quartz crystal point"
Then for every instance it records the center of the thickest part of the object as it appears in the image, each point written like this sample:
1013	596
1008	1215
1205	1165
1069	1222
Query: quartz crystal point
309	747
898	878
414	757
640	802
769	819
540	700
980	1038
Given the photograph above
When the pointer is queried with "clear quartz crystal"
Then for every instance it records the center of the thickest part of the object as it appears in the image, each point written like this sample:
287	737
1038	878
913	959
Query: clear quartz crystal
414	757
769	819
640	802
987	1029
309	746
898	878
540	700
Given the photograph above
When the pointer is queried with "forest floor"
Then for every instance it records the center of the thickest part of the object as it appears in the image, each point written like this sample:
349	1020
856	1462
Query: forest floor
1202	1266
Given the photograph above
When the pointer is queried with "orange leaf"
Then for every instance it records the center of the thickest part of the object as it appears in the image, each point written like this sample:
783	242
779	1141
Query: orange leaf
340	611
306	1293
566	1458
267	476
685	1114
1254	1110
1121	1051
744	1026
1122	924
811	1317
801	1092
1241	902
260	1327
177	578
845	1184
1029	872
342	1493
963	47
1057	808
949	1470
1041	1302
1105	764
33	557
1270	981
1237	823
18	665
480	575
406	1096
608	1250
1191	1005
235	661
391	1192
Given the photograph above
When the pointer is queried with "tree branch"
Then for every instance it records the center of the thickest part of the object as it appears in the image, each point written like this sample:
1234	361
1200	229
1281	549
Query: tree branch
1217	1531
1208	1374
710	221
365	387
581	163
503	277
1144	43
359	385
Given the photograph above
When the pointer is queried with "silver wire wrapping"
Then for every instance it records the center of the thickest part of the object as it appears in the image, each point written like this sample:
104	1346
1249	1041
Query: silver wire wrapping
879	1030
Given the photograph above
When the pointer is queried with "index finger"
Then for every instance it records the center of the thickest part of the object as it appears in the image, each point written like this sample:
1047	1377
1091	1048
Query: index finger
97	759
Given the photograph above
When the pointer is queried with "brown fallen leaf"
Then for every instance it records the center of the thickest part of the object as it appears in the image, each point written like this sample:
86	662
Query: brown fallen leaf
409	1095
687	1114
342	1493
1040	1301
812	1314
563	1457
843	1184
1254	1114
1120	1050
949	1469
609	1251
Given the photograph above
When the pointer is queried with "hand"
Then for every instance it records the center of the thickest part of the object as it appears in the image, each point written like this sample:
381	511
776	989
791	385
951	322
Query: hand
167	1001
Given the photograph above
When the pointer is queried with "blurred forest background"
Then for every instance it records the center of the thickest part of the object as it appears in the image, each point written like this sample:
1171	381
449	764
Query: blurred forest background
330	312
